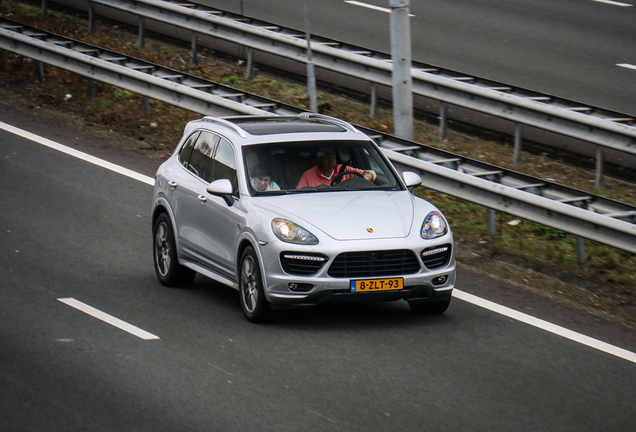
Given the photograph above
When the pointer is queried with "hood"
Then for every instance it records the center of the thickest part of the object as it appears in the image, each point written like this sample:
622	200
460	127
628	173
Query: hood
350	215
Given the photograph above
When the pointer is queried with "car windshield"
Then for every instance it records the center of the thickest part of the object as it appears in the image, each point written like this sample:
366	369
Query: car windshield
305	167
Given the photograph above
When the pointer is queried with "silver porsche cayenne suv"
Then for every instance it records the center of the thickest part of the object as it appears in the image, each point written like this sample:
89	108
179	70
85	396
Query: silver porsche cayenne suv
296	211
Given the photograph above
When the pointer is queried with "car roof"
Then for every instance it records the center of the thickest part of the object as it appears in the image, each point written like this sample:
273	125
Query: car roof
261	129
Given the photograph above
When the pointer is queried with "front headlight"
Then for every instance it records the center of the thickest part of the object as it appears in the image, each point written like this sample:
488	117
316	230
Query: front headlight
434	226
292	233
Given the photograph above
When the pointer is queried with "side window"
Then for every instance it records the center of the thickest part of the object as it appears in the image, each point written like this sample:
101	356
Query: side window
186	150
201	157
224	165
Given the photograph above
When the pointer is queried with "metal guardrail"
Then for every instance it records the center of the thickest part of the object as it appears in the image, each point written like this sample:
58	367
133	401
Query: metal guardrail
154	81
579	213
600	127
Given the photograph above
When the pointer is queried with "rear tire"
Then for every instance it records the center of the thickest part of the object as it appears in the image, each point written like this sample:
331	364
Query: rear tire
429	308
255	305
169	271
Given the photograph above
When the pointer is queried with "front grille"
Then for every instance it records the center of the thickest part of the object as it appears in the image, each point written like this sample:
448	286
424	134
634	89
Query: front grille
436	257
302	264
374	263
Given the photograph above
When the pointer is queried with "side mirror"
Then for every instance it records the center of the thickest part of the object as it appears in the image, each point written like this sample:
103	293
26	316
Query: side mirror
222	188
411	179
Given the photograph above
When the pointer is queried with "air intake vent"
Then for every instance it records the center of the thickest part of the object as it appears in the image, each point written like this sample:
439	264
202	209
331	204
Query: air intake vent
374	263
302	264
436	257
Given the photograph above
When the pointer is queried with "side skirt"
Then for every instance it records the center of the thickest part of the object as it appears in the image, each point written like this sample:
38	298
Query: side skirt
208	273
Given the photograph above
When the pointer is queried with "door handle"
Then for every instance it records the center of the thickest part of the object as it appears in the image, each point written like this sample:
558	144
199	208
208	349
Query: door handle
172	184
202	199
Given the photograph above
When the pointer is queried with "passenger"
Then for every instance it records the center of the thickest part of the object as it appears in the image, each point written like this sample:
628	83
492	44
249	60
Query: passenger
327	169
261	179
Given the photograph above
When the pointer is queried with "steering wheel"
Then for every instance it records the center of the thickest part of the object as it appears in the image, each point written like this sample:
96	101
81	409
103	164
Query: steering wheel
338	178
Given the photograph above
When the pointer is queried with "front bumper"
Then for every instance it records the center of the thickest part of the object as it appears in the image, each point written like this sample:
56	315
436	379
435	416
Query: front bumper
417	293
283	289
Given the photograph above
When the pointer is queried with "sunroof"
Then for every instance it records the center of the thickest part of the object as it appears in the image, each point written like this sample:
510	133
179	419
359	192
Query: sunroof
285	126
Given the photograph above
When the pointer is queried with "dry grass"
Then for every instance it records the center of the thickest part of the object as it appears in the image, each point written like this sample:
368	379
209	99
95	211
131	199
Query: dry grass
526	254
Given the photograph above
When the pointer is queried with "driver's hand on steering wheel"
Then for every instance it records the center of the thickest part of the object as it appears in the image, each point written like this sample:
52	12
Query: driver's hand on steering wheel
368	175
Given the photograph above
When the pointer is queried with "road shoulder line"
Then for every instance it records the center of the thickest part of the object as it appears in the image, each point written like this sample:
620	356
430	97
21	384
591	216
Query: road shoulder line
546	326
78	154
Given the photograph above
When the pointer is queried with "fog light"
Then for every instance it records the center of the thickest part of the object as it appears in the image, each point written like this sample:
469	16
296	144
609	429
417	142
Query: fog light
440	280
300	287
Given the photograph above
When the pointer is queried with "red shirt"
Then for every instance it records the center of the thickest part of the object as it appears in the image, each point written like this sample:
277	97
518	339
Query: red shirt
312	177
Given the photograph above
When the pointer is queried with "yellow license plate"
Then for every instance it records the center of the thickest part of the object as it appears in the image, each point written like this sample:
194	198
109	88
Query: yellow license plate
371	285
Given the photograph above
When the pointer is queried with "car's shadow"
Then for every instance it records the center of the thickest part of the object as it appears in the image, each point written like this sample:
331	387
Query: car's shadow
326	315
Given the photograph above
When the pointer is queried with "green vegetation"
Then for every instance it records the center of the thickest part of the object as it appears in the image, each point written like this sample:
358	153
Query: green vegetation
606	281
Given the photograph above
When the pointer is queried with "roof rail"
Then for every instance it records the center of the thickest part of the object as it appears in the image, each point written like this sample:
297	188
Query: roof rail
333	120
229	124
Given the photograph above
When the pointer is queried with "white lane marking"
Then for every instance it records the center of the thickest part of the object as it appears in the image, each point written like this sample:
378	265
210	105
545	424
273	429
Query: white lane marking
78	154
368	6
486	304
614	3
626	65
547	326
123	325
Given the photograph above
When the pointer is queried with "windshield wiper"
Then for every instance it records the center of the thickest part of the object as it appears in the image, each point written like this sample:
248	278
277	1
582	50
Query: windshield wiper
323	188
274	192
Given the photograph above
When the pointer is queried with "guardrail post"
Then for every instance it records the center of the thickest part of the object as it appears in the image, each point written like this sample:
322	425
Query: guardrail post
401	57
146	103
91	88
516	158
492	222
45	8
580	250
311	75
600	175
142	26
443	121
194	41
41	71
374	100
91	17
249	72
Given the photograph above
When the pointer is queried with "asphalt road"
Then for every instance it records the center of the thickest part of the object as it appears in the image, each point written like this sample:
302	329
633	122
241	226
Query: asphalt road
73	229
566	48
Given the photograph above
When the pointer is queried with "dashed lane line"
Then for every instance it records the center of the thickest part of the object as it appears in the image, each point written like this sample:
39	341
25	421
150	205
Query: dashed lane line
103	316
370	6
614	3
626	65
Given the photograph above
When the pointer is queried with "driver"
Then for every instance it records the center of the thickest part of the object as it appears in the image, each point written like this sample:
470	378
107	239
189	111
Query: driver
327	169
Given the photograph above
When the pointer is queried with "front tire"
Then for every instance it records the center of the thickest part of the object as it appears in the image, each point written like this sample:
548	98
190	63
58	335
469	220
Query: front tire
169	271
255	305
